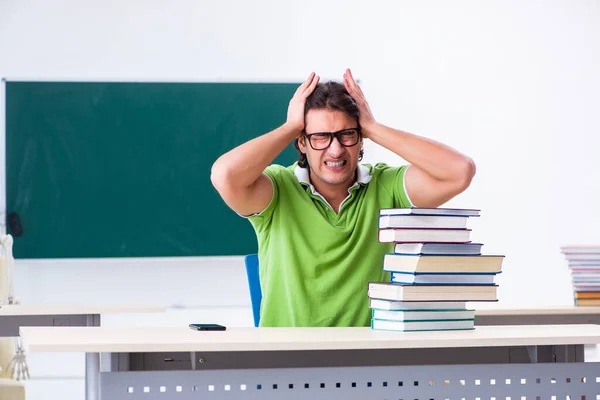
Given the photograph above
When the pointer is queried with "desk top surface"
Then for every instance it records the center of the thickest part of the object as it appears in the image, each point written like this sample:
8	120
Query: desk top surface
555	310
28	309
33	309
183	339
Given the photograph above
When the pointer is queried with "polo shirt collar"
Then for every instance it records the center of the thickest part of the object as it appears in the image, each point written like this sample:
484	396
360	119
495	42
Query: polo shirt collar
363	176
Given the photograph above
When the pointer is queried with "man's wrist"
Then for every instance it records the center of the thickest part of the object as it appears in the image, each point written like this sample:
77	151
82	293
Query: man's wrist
370	129
293	131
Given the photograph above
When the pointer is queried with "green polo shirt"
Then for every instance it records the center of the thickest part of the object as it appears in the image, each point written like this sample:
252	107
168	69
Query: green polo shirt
315	264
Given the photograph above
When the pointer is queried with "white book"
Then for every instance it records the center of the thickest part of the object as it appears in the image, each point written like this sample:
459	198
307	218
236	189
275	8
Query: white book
424	235
585	270
583	257
585	263
403	326
587	286
443	279
581	249
399	292
416	305
429	315
422	221
586	276
457	264
430	211
462	249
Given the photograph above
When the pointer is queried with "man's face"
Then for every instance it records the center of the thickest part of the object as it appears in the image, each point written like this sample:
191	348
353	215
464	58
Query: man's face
335	165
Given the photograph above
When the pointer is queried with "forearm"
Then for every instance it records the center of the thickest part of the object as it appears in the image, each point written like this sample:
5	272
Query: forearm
433	158
243	165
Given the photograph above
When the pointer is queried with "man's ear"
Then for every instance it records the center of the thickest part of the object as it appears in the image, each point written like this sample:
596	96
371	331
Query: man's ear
301	143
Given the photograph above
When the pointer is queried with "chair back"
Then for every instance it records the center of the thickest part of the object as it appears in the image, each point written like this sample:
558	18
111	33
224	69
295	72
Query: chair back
251	261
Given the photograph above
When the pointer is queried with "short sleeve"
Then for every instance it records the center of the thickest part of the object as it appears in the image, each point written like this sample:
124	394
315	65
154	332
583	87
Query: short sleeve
262	220
392	178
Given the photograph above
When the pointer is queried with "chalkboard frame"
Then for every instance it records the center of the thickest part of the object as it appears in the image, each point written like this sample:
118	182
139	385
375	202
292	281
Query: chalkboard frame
74	249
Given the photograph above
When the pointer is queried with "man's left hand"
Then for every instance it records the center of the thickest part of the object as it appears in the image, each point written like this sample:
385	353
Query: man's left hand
365	119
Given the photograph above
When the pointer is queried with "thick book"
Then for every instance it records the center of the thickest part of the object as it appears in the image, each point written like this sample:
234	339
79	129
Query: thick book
581	274
582	279
588	302
430	315
583	257
422	221
442	279
458	264
461	249
414	235
403	326
470	212
586	287
399	292
587	295
581	249
416	305
591	264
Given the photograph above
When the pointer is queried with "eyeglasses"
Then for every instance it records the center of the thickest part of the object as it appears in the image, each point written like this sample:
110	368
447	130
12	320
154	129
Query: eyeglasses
322	140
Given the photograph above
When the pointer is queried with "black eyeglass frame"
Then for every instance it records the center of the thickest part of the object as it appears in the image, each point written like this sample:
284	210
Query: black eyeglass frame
337	136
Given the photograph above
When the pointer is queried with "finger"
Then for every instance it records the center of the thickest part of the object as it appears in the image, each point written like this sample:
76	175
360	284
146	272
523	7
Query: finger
306	83
347	84
312	86
349	73
352	90
355	90
352	80
348	76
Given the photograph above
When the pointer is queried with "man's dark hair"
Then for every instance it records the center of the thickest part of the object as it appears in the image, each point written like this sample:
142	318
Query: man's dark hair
328	96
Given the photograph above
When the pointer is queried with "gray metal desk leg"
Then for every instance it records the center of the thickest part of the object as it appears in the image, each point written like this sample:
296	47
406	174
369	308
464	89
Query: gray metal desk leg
92	365
92	320
92	376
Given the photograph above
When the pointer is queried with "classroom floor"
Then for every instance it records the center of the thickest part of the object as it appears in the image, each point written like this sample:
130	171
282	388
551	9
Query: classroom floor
74	388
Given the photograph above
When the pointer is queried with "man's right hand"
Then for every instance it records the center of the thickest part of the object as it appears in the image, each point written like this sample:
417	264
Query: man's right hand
239	176
295	115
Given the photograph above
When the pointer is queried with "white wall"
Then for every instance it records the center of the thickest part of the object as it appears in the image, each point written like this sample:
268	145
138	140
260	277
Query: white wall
513	84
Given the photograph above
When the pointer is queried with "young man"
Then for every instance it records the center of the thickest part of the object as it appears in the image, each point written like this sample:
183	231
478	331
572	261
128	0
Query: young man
317	220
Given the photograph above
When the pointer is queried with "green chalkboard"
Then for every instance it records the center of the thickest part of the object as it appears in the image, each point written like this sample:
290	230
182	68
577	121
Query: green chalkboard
122	169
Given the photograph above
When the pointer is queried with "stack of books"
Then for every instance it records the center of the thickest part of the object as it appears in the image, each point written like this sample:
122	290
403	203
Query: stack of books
584	264
435	270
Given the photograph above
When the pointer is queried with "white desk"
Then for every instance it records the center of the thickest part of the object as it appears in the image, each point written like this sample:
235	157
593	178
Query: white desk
319	363
538	316
12	317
